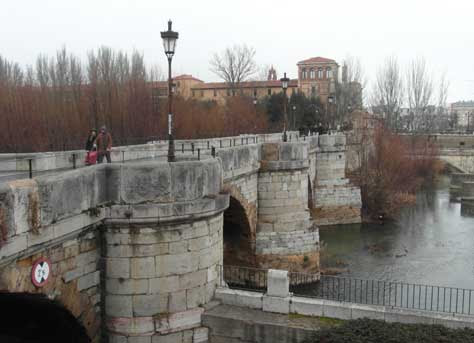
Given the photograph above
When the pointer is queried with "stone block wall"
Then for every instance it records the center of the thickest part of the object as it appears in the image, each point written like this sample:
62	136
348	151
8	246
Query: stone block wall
74	281
286	238
163	228
158	278
335	200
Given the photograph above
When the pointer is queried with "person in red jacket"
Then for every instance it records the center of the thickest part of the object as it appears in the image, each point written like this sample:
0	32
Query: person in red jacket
104	145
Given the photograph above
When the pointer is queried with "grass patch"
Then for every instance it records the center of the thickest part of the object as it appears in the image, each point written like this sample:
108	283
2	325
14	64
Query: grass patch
376	331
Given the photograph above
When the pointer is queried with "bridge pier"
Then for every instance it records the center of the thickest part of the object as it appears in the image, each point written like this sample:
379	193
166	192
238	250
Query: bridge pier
162	259
286	237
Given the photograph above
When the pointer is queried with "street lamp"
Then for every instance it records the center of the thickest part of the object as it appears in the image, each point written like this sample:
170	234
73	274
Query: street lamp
284	84
294	116
328	107
169	43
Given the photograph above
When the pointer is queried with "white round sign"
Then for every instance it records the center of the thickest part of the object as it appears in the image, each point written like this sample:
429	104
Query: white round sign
40	272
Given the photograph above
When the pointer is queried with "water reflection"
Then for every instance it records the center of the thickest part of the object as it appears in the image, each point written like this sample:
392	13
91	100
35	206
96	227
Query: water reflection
429	243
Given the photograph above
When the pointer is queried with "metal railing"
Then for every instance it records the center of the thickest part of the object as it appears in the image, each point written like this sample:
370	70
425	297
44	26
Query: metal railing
245	278
385	293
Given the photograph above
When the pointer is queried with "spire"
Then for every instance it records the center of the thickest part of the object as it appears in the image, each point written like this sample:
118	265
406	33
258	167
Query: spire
272	75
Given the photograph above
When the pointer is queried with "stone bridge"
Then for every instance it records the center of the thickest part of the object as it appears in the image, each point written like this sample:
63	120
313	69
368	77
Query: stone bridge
135	249
455	149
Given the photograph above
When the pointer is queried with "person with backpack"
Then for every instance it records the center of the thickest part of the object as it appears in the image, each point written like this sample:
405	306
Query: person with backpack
104	145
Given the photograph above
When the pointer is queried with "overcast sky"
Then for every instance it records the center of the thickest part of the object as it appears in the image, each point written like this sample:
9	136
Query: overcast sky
282	32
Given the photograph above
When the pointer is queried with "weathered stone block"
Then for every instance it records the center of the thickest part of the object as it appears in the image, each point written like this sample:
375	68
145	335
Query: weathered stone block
177	301
127	286
178	321
131	326
118	267
307	306
176	337
118	305
88	280
200	335
278	283
142	267
164	284
149	305
276	304
193	279
176	264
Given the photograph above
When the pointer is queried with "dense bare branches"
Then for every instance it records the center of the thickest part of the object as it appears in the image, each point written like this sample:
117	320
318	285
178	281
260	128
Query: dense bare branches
54	104
419	85
388	92
235	64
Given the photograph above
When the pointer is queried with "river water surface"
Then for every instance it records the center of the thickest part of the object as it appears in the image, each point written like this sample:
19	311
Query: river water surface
429	243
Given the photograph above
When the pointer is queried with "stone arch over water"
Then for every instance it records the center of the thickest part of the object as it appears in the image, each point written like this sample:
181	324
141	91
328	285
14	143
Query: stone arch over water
28	317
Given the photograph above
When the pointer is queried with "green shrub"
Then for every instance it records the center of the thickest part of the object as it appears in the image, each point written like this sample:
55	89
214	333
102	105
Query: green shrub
376	331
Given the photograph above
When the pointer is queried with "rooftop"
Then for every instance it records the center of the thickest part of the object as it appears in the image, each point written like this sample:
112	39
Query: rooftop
317	60
246	84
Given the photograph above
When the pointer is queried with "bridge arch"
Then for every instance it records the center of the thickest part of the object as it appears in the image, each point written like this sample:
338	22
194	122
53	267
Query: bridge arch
239	230
32	317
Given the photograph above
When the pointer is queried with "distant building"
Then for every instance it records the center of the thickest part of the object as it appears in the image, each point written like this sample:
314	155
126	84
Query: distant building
317	77
464	112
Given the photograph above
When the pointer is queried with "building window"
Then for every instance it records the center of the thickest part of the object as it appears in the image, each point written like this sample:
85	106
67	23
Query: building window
320	73
215	92
193	94
313	90
312	74
202	94
303	73
269	91
228	92
328	73
255	93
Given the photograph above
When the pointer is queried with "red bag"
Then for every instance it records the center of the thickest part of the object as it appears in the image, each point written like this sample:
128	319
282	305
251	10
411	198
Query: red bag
91	157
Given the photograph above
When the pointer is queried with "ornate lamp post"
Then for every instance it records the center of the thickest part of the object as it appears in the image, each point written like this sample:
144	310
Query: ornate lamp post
284	84
169	43
330	101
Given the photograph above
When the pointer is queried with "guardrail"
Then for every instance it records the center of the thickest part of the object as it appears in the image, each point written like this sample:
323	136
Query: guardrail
244	278
386	293
359	291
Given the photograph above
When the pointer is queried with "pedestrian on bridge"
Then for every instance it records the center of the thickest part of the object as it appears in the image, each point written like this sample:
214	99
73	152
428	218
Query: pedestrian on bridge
104	145
91	148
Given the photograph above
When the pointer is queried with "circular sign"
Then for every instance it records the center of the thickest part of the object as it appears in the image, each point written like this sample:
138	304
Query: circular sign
40	272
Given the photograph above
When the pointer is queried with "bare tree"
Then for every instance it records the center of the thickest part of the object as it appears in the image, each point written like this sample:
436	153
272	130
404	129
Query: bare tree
387	95
262	73
349	92
419	93
234	65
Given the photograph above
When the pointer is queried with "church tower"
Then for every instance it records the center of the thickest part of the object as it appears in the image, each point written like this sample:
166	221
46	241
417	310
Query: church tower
272	74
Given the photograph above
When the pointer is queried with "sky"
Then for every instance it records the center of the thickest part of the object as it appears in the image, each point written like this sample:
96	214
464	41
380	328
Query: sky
282	32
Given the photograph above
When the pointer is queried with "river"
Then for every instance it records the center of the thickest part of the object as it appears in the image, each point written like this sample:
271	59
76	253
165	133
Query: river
428	243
